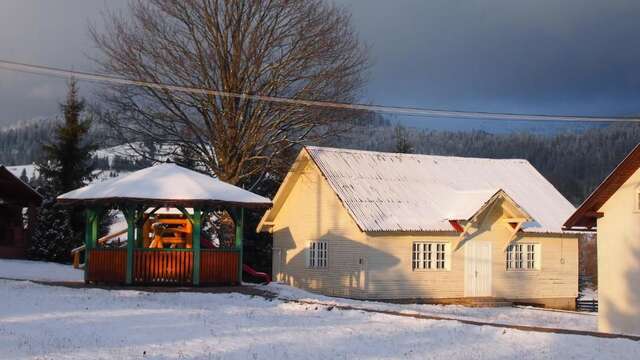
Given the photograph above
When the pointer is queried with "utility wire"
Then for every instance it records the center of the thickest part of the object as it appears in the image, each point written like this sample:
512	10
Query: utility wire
412	111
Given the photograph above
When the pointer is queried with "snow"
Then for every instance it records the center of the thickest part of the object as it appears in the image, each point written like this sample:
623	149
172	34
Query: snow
411	192
166	182
499	315
30	170
38	321
39	270
589	294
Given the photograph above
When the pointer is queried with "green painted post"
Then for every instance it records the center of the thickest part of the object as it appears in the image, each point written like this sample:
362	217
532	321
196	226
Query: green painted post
87	241
94	227
195	240
130	215
239	220
139	226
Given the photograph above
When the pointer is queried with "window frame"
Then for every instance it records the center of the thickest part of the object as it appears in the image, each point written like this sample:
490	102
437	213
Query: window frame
432	252
527	257
315	250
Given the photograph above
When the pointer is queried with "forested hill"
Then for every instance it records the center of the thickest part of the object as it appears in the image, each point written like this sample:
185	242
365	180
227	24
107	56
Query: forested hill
574	162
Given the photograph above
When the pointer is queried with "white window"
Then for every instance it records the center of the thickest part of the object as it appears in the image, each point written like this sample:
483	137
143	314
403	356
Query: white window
523	257
317	254
430	256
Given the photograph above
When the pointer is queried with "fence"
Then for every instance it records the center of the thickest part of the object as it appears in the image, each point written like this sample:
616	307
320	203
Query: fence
587	305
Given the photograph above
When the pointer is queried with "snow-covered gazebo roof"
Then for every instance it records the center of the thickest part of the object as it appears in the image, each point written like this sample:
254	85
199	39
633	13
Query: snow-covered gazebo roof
165	185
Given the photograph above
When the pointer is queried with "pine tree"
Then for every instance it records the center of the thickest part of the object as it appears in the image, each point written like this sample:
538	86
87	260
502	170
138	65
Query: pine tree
24	177
67	164
403	145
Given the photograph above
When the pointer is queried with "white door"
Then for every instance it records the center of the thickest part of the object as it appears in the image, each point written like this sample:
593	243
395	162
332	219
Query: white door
477	268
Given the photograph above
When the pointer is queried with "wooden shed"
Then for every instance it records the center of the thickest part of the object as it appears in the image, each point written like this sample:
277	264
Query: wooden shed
15	198
162	250
373	225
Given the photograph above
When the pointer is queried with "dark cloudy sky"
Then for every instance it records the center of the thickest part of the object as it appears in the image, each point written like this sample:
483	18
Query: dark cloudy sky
543	56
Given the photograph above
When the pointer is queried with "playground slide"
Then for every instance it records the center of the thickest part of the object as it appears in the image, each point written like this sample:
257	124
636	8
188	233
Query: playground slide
249	270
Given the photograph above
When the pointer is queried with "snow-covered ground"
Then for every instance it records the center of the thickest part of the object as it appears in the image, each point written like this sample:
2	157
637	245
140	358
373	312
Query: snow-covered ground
500	315
589	294
38	321
39	271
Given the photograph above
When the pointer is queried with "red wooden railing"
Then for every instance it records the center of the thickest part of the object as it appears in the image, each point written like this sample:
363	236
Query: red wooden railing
219	266
107	266
162	267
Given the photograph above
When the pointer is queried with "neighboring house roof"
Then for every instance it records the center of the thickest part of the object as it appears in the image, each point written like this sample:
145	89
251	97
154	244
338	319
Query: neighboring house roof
165	185
409	192
15	191
587	213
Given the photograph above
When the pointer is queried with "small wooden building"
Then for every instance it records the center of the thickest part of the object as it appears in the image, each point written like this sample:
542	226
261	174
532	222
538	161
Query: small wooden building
15	198
162	250
374	225
613	210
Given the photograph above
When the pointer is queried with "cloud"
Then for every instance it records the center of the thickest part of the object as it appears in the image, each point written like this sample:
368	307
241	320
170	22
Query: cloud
44	91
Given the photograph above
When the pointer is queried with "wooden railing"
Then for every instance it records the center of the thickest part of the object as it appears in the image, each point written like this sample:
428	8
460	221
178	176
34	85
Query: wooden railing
76	252
219	266
107	266
587	305
162	266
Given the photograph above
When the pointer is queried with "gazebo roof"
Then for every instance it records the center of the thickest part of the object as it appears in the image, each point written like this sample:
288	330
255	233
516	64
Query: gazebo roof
165	185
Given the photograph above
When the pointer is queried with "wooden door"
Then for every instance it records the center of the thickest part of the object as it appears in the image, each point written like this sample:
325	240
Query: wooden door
477	269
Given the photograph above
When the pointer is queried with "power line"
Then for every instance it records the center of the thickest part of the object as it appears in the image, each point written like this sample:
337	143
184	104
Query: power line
412	111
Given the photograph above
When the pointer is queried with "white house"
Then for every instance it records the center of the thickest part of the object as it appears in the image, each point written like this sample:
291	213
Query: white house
375	225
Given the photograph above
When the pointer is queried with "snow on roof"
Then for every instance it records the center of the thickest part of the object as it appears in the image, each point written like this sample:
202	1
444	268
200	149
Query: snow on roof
410	192
166	183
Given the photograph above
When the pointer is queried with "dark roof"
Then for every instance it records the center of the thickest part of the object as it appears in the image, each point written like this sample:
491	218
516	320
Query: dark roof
586	215
14	191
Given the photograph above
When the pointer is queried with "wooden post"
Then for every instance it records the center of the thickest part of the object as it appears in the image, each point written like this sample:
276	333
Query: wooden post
239	220
139	225
130	216
90	236
196	219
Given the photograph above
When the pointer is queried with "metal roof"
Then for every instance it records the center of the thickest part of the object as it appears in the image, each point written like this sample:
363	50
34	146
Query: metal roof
410	192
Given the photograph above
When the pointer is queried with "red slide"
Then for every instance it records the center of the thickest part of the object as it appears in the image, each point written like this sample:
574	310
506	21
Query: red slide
249	270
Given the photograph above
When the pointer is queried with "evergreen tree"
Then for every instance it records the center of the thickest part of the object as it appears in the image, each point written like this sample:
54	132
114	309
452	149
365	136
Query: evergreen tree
402	140
67	165
67	162
24	177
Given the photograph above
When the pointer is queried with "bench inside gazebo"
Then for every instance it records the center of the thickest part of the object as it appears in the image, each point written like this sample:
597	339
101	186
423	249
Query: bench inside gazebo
161	248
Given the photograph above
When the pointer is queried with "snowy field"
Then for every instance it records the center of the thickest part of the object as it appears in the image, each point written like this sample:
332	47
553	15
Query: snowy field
48	322
52	322
39	271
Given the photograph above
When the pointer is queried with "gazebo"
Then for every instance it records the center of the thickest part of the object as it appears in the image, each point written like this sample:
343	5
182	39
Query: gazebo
175	256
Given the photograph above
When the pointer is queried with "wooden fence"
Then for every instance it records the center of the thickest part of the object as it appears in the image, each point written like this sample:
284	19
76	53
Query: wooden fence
219	266
107	266
172	267
587	305
163	267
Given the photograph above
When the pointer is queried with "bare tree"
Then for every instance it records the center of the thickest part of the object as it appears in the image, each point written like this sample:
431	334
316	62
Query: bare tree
302	49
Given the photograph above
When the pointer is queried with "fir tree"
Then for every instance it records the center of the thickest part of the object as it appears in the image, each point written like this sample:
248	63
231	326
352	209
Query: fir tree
24	177
403	145
67	162
67	165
